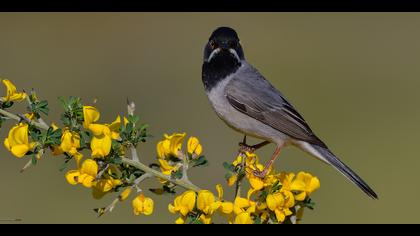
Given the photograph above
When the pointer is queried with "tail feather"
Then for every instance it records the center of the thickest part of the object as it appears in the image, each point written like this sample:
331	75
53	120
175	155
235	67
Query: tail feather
327	156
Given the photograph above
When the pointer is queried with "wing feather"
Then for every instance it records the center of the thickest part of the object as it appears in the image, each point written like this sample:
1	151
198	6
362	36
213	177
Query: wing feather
257	98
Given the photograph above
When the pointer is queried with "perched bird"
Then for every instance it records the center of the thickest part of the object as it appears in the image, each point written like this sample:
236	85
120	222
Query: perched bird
248	103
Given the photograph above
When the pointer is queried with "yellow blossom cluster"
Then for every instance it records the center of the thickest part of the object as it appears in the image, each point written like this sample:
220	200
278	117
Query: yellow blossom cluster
276	198
170	155
273	199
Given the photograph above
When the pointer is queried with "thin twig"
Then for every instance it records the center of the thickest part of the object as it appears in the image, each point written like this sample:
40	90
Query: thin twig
135	163
134	154
17	118
26	166
238	186
111	206
143	167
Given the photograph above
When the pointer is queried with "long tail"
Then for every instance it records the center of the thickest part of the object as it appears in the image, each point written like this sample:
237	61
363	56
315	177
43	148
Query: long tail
327	156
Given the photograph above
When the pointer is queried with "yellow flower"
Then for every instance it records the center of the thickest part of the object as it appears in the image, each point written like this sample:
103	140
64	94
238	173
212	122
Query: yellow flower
205	219
102	137
180	221
232	179
166	168
243	218
85	175
225	208
124	194
30	116
194	146
243	205
90	115
171	145
105	185
306	183
17	142
280	203
206	202
70	142
255	182
142	205
237	161
101	141
183	203
12	94
115	127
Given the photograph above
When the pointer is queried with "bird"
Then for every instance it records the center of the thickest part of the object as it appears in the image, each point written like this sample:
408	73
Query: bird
248	103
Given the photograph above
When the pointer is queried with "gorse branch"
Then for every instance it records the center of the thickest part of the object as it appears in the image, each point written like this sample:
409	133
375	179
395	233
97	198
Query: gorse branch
113	164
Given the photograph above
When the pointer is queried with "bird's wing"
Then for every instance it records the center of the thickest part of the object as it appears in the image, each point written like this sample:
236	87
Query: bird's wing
250	93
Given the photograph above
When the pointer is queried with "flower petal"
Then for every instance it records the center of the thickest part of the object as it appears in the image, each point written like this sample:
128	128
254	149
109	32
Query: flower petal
71	176
90	115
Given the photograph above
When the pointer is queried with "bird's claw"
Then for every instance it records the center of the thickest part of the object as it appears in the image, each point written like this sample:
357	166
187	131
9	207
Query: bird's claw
259	174
243	147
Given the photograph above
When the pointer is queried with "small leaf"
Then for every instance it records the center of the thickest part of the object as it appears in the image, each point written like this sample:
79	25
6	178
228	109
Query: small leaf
7	104
133	119
201	161
174	159
117	160
63	102
158	191
34	160
257	220
167	189
177	174
229	167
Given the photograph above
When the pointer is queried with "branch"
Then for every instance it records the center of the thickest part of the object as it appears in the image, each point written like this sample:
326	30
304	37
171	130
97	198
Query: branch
17	118
135	163
143	167
111	206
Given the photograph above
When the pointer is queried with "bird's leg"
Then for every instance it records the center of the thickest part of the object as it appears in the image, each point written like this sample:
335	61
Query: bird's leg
243	147
262	174
260	145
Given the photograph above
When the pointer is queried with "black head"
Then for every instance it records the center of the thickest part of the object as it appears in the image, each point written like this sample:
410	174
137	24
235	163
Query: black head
223	42
223	55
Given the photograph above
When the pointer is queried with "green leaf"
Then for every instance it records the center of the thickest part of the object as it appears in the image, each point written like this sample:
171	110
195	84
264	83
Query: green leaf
143	127
201	161
228	175
192	219
63	102
7	104
177	174
257	220
174	159
117	160
158	191
229	167
164	190
276	186
308	203
133	119
84	138
34	160
168	189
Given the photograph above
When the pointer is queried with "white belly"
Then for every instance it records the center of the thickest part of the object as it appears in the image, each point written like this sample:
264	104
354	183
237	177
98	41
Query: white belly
238	120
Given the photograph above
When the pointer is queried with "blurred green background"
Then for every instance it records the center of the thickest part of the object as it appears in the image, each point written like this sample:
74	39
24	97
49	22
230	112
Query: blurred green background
355	77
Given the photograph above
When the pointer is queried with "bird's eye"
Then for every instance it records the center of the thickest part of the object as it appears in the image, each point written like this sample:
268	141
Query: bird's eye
212	44
233	44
